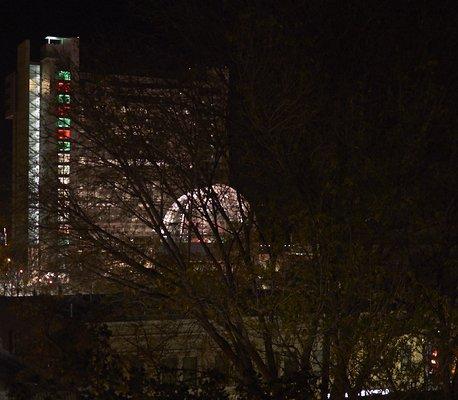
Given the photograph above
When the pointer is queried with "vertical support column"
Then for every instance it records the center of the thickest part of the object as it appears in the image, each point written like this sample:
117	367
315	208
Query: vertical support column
20	189
34	164
34	152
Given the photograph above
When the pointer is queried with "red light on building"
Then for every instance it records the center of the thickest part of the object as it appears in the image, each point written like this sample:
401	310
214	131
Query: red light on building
64	133
63	110
63	86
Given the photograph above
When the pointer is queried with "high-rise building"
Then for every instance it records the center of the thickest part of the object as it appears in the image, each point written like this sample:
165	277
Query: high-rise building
29	95
48	157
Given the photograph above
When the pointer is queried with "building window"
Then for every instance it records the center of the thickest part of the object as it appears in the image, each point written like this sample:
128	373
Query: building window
63	122
64	133
64	180
190	370
169	370
63	193
64	229
63	158
63	217
63	99
63	169
63	110
222	366
63	86
64	241
64	146
63	75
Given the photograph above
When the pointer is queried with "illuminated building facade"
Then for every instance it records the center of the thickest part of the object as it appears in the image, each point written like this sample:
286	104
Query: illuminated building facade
35	88
50	160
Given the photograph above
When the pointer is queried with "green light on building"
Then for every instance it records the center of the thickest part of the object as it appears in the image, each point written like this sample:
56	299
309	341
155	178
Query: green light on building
64	242
63	98
63	75
63	122
64	146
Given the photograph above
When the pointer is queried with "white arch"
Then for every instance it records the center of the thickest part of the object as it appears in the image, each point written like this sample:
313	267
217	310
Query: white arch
217	207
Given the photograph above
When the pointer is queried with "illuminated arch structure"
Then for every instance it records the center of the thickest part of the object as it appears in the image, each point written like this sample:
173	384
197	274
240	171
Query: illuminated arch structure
210	211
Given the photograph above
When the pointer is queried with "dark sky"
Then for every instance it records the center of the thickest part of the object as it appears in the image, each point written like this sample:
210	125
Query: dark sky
21	19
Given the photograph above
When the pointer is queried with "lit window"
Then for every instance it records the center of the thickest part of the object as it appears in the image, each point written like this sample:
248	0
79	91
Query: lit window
64	133
63	158
63	122
64	146
64	180
63	110
64	229
63	217
62	193
63	98
63	86
64	241
63	75
63	169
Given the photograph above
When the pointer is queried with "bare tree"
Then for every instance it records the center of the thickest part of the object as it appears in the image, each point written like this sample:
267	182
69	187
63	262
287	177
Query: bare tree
316	287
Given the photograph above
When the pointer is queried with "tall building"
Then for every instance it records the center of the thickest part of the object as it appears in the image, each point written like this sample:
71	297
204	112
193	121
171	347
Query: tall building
29	94
49	158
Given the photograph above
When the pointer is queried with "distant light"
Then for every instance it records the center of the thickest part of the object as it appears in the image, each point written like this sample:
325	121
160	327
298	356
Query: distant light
371	392
8	259
52	39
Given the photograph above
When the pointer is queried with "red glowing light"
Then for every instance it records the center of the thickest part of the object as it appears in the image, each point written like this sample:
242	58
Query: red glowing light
63	86
64	133
63	110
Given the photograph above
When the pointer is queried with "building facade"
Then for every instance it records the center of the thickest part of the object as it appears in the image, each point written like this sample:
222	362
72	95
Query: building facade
51	157
34	88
